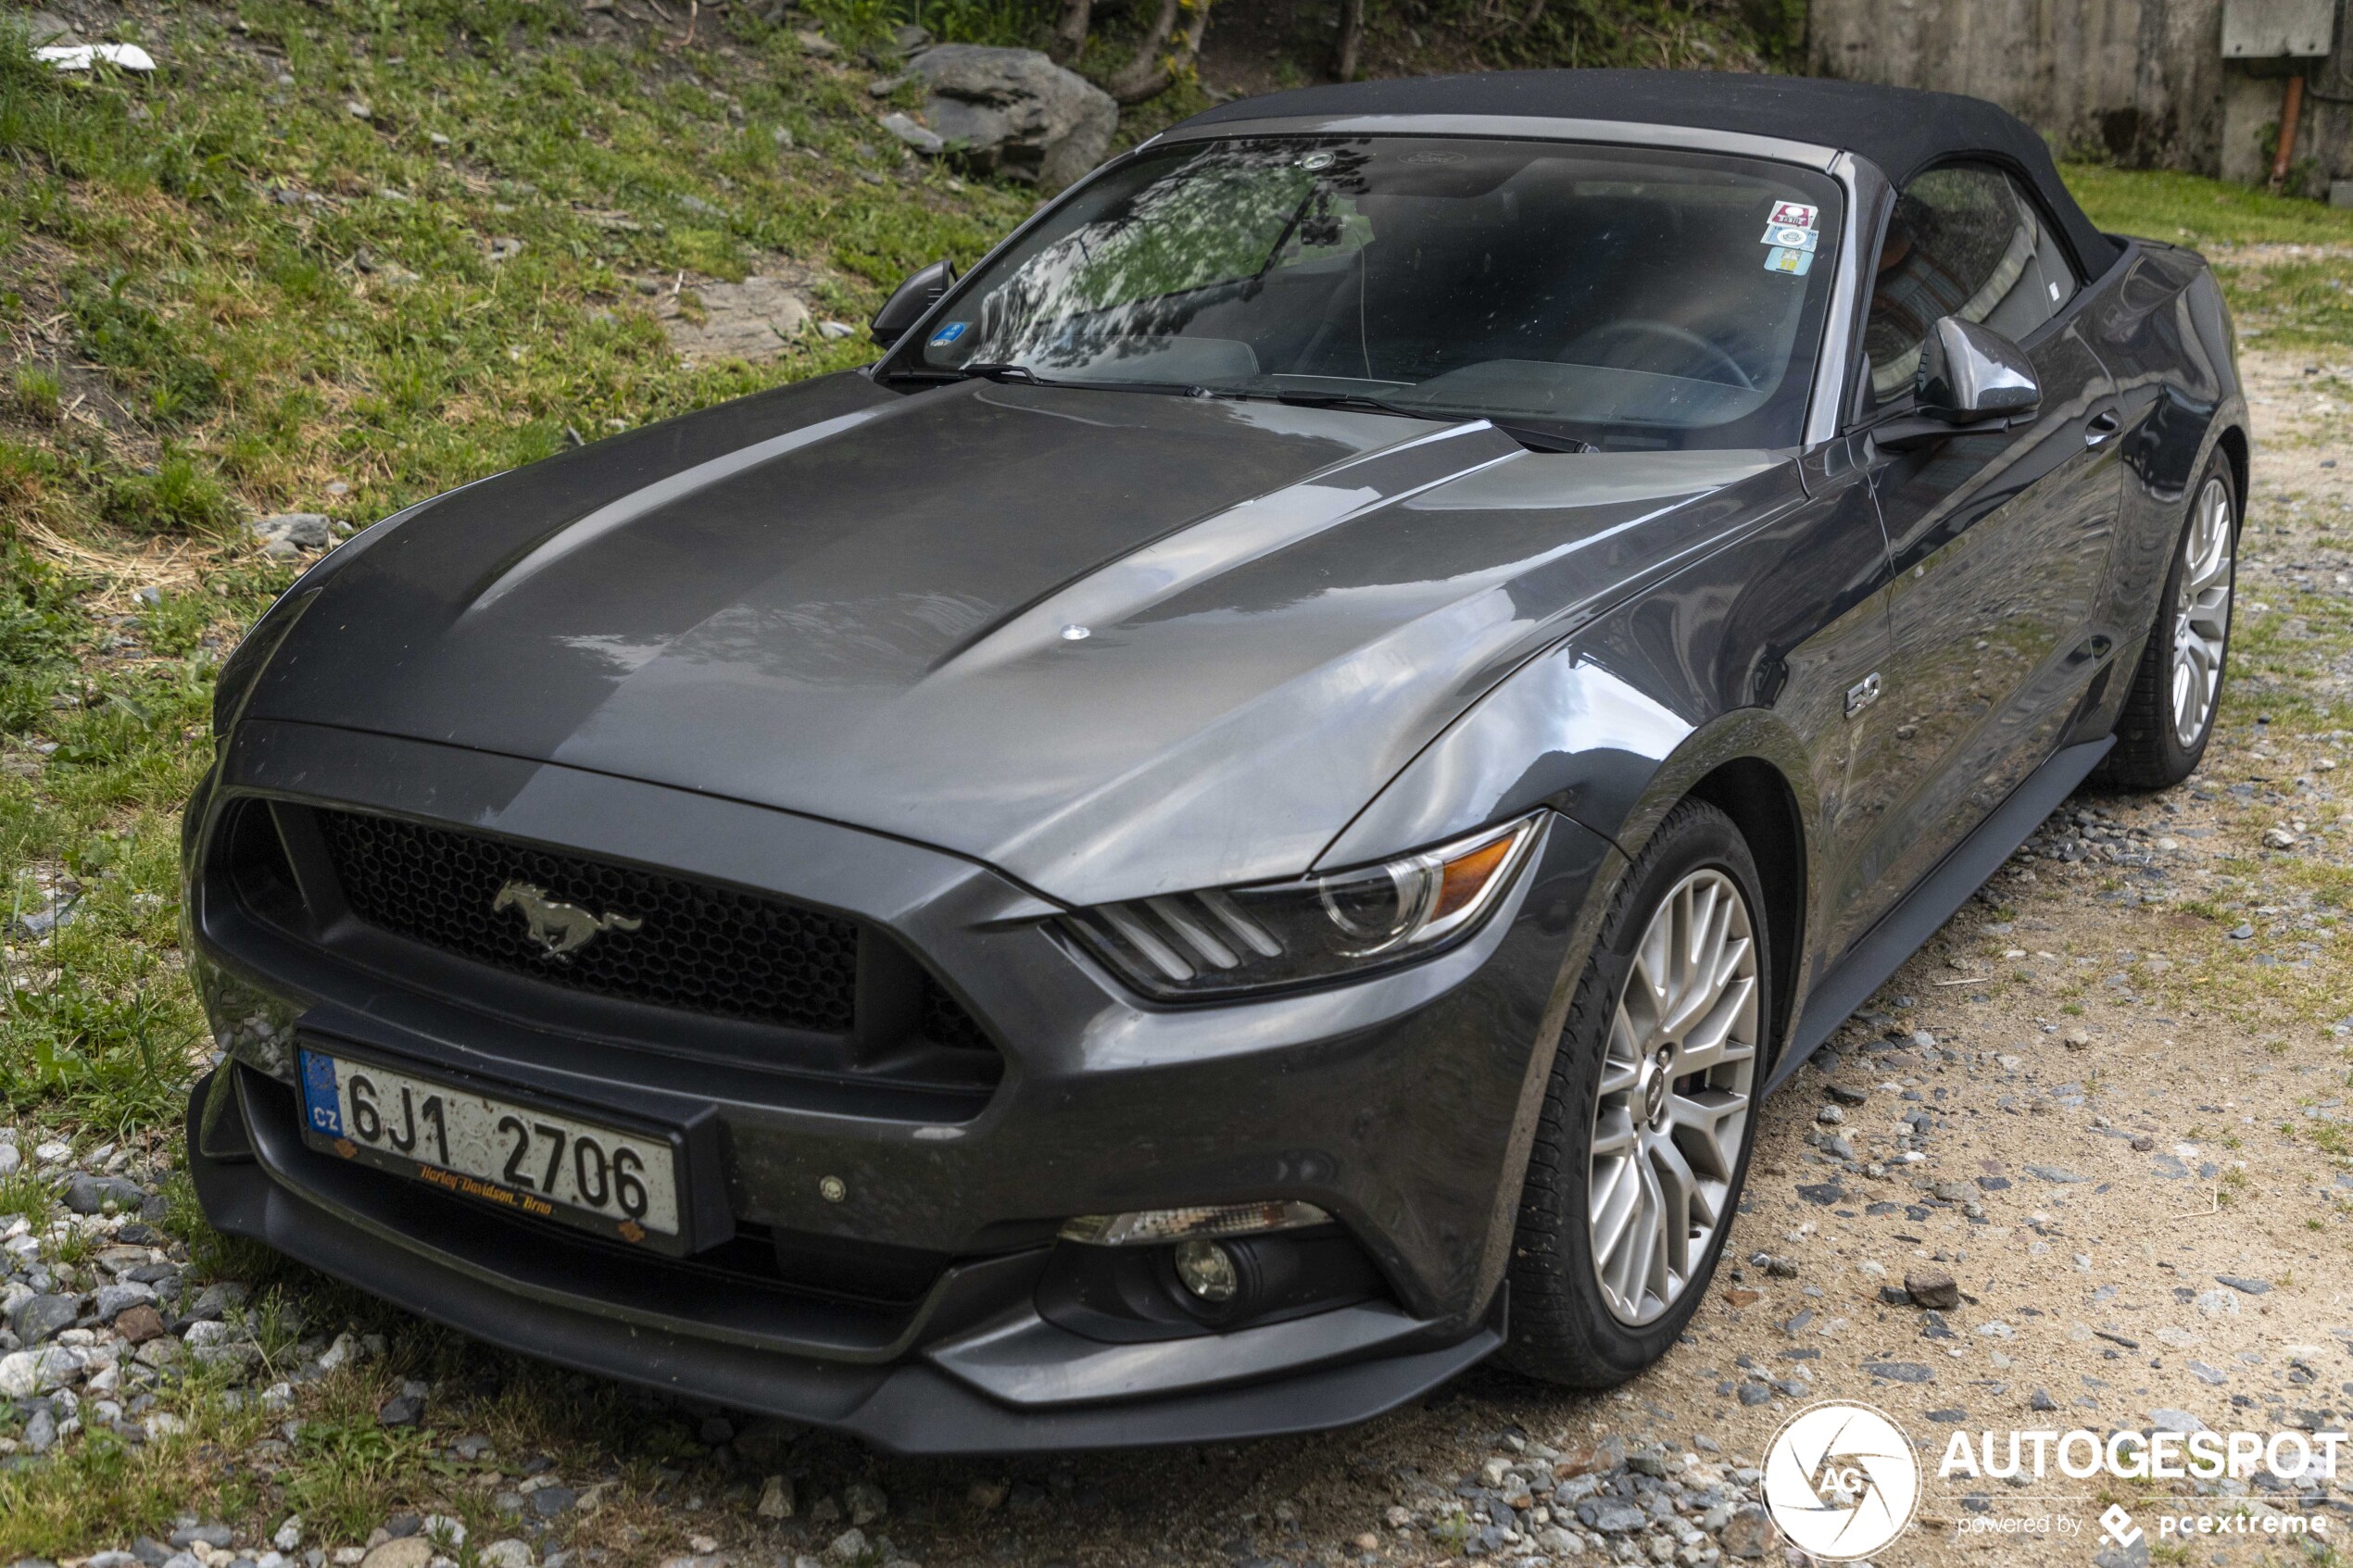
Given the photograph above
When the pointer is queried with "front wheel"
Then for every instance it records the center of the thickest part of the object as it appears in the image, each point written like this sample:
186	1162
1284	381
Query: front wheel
2169	716
1638	1160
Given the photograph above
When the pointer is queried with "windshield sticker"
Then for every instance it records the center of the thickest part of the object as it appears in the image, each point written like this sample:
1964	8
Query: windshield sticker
949	333
1787	234
1784	259
1796	215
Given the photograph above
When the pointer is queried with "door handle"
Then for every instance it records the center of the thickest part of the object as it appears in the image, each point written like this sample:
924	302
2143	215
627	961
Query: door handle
2104	424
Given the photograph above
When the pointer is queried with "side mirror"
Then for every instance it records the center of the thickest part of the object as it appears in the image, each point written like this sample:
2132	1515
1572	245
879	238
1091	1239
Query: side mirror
910	300
1970	372
1969	375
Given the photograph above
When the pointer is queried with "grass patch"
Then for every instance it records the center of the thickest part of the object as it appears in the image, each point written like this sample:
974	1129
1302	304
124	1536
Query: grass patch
290	304
36	394
2191	210
2281	300
178	495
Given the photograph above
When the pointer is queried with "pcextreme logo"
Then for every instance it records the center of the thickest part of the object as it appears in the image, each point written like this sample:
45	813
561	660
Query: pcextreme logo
1841	1480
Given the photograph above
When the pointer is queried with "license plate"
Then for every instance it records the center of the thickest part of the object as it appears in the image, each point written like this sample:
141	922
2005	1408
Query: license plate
519	1157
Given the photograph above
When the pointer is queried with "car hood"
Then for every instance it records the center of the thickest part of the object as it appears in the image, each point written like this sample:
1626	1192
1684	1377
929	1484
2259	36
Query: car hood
1110	643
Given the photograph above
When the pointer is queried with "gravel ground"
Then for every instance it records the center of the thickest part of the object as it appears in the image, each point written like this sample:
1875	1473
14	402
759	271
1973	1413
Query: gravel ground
2099	1127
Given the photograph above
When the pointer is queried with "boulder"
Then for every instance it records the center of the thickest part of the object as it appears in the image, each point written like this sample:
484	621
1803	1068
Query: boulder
1015	112
48	30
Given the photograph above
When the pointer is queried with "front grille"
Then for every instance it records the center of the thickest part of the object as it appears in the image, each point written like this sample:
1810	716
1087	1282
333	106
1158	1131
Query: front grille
698	947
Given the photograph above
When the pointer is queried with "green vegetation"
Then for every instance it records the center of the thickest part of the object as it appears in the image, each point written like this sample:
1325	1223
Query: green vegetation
2189	210
227	292
294	304
2284	298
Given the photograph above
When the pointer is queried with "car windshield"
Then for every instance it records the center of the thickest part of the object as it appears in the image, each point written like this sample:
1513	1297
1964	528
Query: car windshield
1632	298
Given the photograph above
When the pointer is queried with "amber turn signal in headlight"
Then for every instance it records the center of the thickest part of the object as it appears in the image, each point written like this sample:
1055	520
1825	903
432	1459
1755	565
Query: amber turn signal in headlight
1222	940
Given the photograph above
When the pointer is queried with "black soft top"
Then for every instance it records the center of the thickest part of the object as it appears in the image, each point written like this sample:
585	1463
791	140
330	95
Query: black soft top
1900	129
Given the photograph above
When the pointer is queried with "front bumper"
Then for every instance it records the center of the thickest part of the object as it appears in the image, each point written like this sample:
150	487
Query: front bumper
1400	1105
1344	1372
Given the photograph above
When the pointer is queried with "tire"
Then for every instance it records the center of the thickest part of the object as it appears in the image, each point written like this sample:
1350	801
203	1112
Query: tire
2151	750
1568	1324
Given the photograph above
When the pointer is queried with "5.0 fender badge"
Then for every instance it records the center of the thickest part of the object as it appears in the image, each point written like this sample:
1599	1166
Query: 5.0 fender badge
560	929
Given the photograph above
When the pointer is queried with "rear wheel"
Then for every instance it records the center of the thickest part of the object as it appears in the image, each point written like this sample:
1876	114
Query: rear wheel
2169	717
1638	1160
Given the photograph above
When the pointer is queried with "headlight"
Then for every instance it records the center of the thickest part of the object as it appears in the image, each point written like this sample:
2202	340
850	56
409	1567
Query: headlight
1223	940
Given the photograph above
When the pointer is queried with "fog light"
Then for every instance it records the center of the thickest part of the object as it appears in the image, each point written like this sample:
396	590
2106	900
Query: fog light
1207	1270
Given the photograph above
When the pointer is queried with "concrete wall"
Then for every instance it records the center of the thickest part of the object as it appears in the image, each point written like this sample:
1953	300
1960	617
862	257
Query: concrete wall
2140	82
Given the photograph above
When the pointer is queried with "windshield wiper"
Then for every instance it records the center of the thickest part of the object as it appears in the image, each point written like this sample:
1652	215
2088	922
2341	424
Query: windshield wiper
1022	375
1307	398
1543	440
1536	440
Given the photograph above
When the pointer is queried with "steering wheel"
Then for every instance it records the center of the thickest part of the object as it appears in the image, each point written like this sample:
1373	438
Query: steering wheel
1644	325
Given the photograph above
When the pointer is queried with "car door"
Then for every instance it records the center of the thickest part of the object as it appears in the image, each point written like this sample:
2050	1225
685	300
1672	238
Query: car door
1999	536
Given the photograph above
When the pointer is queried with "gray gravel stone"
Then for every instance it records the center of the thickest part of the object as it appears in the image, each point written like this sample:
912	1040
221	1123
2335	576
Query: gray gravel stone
216	1300
1749	1534
40	1317
1612	1516
921	138
40	1431
1932	1287
304	530
94	1194
112	1300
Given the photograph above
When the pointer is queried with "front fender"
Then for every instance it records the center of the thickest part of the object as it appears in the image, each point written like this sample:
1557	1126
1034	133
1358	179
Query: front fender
1568	732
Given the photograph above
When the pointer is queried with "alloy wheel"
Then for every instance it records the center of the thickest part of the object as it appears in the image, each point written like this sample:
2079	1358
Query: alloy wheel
1673	1103
2202	612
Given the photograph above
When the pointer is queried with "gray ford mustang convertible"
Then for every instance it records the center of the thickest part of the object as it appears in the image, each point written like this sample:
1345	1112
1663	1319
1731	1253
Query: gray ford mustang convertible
1241	821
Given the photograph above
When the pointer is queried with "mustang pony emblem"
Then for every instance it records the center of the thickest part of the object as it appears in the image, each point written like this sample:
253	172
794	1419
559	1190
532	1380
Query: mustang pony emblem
560	929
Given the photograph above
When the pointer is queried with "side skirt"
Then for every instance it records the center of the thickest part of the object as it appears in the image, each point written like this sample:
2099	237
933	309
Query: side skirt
1903	930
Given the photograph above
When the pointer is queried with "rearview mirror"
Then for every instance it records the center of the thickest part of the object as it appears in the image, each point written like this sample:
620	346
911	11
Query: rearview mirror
910	300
